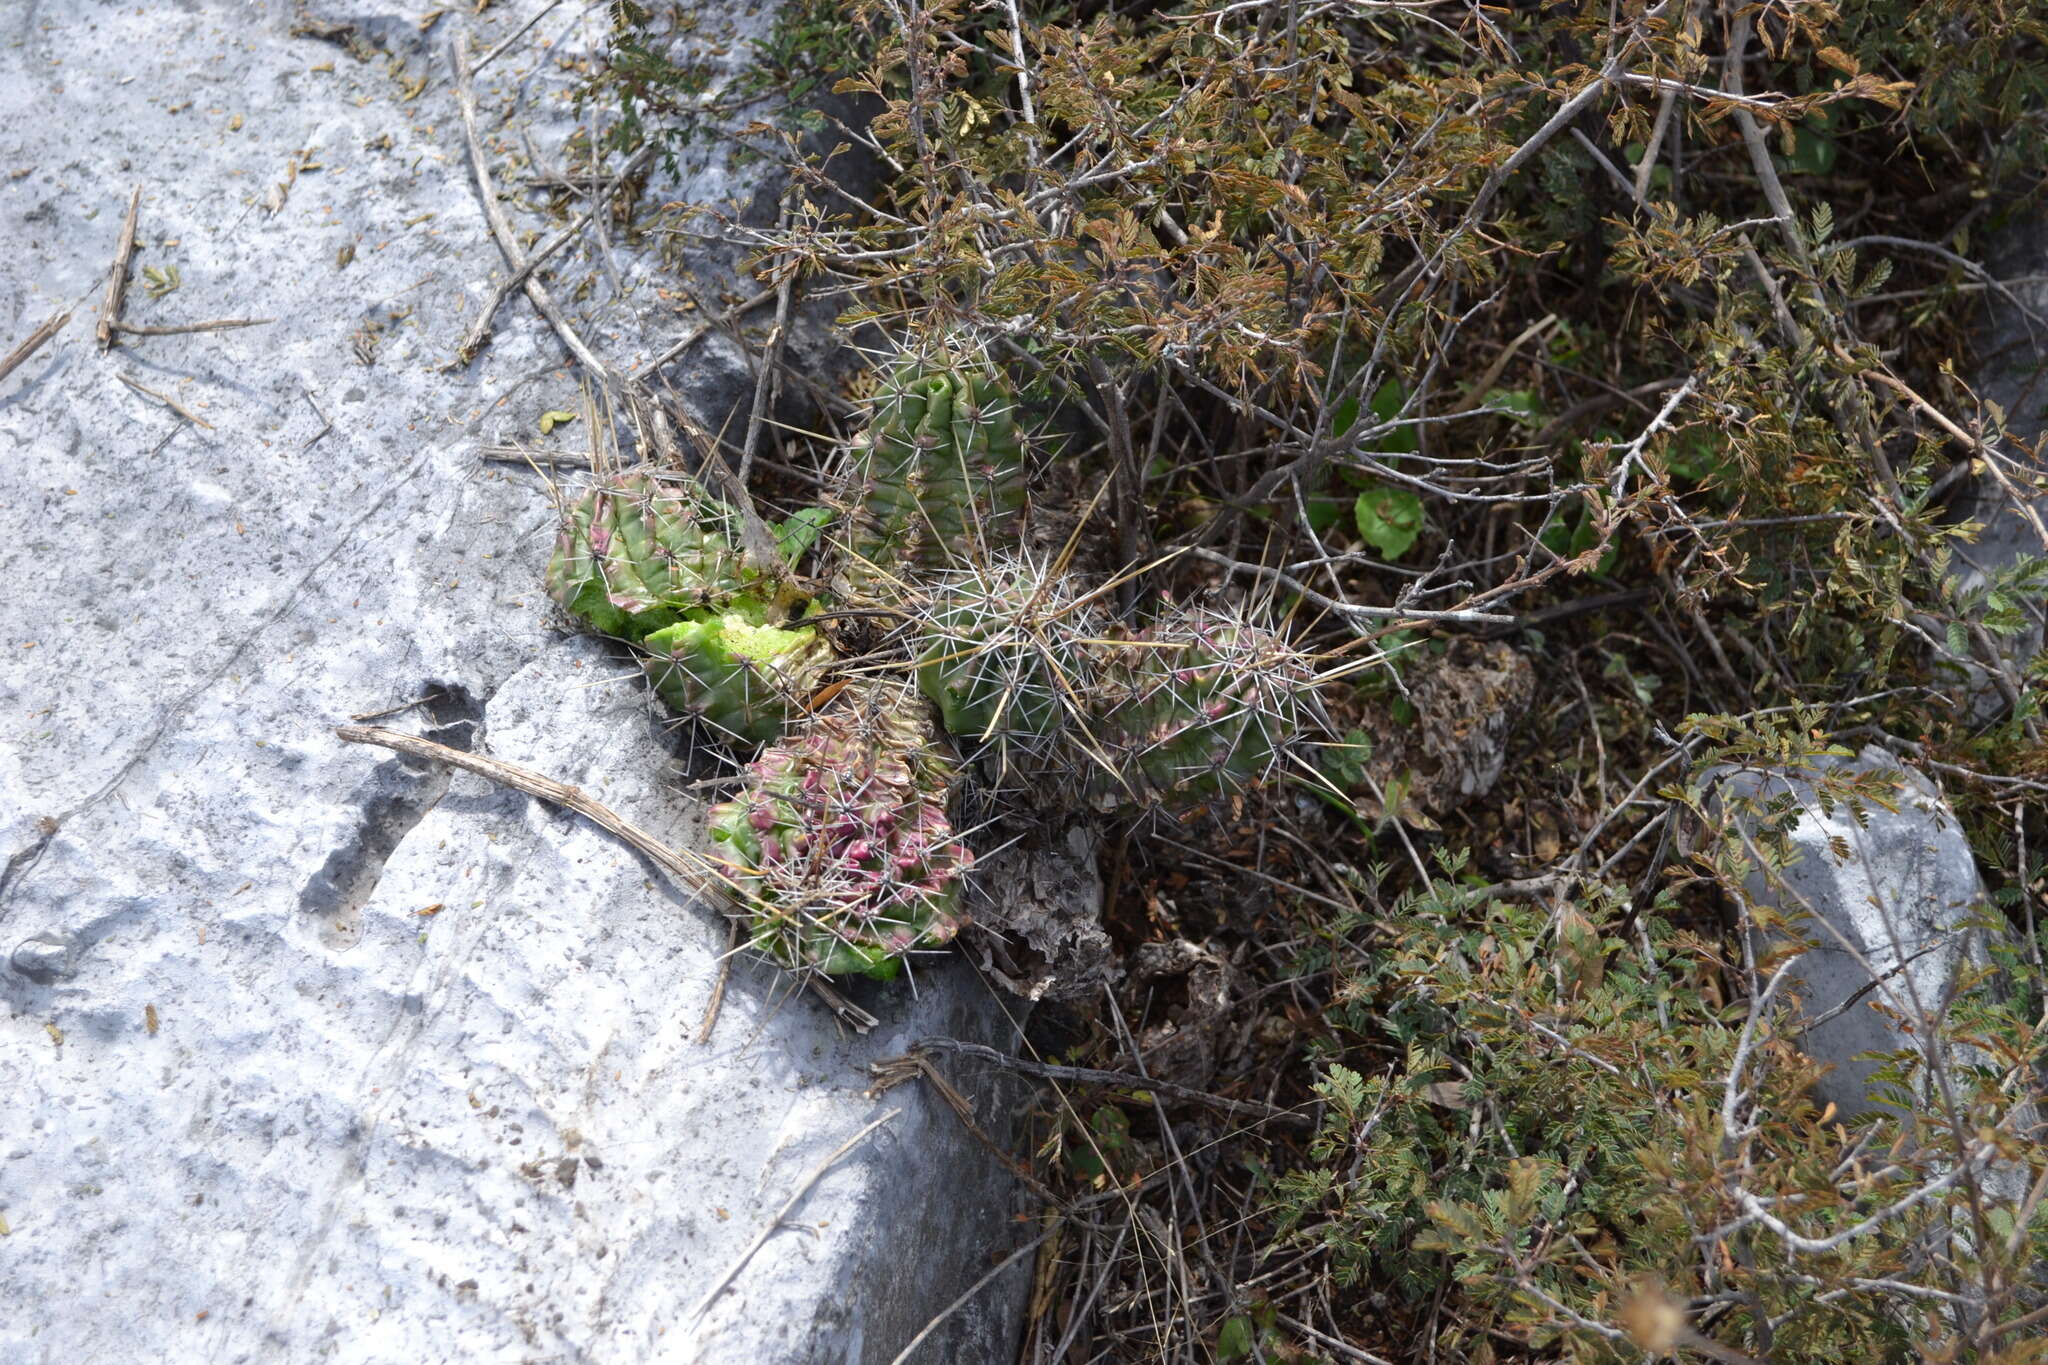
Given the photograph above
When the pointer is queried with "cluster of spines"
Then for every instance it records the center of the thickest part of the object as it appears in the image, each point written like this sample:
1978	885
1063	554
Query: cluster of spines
1027	671
634	553
1202	702
1007	654
839	845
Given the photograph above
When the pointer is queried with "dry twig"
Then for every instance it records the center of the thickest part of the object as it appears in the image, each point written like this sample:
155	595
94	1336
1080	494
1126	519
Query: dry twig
690	875
480	330
172	329
117	276
782	1214
173	404
34	342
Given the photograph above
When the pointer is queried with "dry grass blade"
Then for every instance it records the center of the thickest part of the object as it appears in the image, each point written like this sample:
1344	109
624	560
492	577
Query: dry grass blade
782	1215
172	329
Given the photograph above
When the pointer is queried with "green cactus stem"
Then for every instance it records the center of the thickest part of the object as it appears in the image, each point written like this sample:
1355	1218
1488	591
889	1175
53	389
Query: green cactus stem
635	553
1200	703
937	481
743	677
1009	655
653	563
839	847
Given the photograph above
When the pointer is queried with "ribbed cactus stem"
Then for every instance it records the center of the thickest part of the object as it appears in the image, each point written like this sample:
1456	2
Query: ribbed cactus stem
653	563
1202	703
743	678
1008	654
634	553
938	479
839	847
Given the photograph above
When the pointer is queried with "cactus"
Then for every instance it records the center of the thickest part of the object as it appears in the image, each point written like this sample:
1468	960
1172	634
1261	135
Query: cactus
839	847
743	677
634	554
656	566
937	481
1025	669
1200	703
1009	656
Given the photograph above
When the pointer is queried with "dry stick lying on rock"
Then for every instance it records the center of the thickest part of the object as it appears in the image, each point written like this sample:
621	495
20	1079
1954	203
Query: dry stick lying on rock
501	227
172	329
688	874
781	1217
117	278
703	329
34	342
194	418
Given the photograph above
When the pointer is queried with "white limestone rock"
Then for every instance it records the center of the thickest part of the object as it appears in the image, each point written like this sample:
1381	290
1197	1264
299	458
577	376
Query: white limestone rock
259	1105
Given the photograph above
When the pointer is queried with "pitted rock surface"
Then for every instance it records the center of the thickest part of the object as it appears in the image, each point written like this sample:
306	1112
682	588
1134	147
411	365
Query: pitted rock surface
310	1051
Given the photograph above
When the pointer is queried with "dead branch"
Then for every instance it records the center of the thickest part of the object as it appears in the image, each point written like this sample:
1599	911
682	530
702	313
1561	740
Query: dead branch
34	342
141	329
1252	1110
173	404
480	330
501	227
117	276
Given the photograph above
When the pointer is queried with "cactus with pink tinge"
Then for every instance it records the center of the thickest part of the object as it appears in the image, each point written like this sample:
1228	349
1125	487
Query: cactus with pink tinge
654	564
635	553
839	847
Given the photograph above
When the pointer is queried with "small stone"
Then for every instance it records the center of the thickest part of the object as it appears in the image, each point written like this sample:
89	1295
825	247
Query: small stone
45	959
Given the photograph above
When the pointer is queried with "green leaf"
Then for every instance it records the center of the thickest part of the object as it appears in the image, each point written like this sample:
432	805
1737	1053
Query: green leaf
550	420
1234	1342
1521	402
1324	511
1389	518
1344	1088
1342	418
796	535
1814	151
1386	405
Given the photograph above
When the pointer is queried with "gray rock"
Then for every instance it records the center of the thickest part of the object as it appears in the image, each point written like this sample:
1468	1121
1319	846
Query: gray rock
2012	382
1868	895
261	1103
